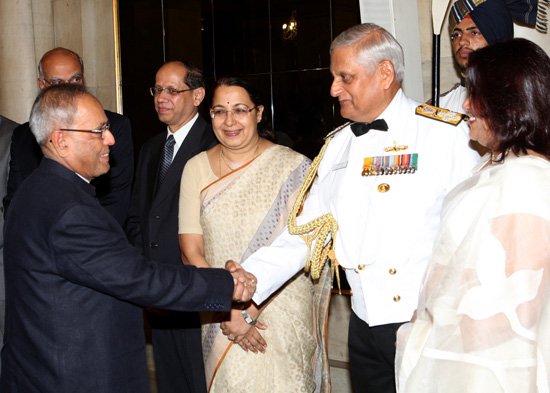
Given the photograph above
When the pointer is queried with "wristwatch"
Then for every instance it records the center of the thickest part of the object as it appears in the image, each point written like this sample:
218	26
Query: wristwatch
248	319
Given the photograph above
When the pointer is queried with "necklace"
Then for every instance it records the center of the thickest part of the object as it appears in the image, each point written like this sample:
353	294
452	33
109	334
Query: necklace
222	158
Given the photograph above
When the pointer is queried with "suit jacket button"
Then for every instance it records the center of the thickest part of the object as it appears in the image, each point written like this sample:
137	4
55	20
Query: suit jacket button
156	217
153	245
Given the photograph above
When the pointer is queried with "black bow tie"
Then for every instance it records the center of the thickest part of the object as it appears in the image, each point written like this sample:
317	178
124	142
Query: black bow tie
362	128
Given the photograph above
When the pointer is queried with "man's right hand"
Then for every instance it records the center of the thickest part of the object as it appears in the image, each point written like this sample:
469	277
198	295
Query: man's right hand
245	283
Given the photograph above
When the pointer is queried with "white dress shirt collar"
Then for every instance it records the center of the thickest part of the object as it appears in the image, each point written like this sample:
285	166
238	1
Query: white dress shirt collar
181	134
82	177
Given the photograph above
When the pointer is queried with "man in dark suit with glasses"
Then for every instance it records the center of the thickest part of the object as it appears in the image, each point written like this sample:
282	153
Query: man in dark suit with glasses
73	283
153	219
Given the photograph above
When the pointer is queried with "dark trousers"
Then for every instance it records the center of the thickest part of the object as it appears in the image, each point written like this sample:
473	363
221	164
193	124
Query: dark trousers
372	356
177	350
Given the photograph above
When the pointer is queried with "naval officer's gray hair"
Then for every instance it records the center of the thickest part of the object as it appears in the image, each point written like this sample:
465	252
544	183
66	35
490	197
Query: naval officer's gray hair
374	45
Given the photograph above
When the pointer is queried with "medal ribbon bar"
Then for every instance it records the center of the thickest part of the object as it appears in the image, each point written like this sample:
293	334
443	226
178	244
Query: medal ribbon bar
390	165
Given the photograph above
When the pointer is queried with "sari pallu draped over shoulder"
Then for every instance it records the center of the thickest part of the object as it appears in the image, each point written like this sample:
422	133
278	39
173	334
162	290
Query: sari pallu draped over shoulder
240	213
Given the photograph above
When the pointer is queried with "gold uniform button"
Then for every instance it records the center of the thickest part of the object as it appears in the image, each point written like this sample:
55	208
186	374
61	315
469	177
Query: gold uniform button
384	187
393	271
396	298
361	267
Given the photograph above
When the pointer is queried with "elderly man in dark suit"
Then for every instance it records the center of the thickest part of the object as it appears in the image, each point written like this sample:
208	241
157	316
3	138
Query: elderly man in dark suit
153	218
113	189
73	282
6	129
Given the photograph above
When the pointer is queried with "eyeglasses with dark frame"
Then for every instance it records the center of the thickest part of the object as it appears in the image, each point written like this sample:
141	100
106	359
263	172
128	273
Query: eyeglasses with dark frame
239	112
100	131
155	91
56	81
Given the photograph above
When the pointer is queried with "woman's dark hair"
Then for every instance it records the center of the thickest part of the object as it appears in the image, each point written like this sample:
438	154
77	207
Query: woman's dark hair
509	88
263	130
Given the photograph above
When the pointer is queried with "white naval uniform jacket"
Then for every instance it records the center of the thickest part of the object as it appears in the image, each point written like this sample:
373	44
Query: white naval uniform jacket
385	238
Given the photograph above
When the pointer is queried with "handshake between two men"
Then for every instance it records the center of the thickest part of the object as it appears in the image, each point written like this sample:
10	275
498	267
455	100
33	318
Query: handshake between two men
86	278
245	283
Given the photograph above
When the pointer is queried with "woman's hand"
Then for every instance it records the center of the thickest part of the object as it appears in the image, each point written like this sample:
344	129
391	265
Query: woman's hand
247	336
253	340
235	327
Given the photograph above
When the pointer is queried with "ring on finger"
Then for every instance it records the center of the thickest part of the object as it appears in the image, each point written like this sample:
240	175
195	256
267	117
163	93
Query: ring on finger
231	338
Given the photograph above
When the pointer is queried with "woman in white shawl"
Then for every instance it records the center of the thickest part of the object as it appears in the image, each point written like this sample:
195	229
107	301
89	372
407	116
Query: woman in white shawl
483	320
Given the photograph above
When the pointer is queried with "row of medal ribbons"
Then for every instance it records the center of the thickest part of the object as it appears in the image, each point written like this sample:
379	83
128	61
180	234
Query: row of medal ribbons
390	165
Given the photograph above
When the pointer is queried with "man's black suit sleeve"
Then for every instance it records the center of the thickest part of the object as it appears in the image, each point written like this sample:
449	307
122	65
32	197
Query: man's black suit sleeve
91	250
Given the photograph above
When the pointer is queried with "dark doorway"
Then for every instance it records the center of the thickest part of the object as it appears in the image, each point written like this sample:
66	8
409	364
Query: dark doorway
290	62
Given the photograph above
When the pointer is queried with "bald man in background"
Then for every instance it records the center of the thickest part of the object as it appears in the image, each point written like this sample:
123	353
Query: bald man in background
113	189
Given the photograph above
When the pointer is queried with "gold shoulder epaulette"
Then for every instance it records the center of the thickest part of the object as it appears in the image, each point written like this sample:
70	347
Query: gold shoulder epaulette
440	114
336	130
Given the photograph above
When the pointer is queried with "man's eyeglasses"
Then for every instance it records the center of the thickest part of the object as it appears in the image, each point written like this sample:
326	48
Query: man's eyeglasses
240	112
155	91
56	81
100	131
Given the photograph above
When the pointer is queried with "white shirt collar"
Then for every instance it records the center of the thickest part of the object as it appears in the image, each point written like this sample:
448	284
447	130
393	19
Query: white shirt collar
181	133
83	178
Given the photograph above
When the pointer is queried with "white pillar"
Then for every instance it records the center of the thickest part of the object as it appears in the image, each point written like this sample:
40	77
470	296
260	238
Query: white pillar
25	26
400	17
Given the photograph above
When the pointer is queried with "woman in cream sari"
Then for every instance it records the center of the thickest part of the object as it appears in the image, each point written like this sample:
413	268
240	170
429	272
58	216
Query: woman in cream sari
234	199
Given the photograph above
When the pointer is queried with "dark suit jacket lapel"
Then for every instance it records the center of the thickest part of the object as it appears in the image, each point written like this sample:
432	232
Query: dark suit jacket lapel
189	148
152	167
